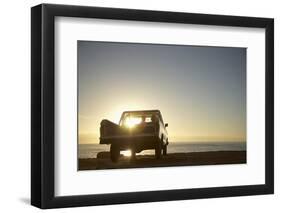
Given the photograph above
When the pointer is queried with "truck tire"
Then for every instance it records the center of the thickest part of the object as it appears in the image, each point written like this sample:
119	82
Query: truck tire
114	153
165	147
158	150
133	154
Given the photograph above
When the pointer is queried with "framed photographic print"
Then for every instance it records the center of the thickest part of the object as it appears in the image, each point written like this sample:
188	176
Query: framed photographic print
140	106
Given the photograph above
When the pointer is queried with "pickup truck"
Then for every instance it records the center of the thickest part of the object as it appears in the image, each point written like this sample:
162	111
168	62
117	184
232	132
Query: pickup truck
136	131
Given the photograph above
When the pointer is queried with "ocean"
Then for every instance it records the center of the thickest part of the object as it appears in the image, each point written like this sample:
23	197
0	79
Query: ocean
91	150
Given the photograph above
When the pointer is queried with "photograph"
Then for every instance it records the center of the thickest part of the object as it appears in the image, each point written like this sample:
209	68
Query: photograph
146	105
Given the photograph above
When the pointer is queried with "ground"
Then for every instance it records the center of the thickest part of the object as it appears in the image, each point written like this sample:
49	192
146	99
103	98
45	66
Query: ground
173	159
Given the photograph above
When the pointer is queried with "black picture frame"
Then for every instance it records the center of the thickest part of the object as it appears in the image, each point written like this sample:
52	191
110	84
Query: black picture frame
43	110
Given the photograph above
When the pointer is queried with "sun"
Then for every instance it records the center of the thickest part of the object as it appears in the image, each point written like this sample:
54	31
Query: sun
127	153
130	122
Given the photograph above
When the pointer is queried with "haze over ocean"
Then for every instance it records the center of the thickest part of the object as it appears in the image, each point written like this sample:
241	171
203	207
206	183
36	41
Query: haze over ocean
91	150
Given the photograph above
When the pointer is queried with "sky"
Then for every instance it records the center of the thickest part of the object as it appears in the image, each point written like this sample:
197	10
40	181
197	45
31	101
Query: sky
200	91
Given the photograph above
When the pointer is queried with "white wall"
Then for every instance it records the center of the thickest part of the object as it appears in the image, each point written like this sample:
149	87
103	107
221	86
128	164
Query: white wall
15	105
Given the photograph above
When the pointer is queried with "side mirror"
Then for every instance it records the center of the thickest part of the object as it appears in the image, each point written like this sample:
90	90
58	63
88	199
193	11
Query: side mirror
166	124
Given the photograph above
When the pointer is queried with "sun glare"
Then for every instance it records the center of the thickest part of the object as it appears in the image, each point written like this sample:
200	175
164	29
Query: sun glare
127	153
130	122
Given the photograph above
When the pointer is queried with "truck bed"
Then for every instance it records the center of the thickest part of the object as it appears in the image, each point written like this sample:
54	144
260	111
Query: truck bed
111	132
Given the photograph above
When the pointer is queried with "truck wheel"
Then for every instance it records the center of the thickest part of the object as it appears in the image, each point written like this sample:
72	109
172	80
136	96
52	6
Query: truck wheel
165	149
114	153
133	154
158	150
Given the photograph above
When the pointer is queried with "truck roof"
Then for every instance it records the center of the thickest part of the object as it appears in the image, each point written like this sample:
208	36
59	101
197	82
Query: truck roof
152	110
